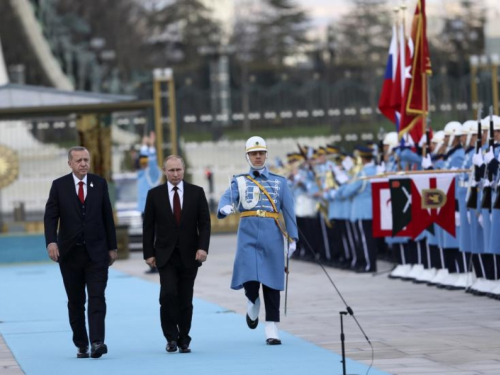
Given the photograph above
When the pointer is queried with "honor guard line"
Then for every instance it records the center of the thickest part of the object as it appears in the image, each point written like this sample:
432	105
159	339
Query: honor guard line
406	173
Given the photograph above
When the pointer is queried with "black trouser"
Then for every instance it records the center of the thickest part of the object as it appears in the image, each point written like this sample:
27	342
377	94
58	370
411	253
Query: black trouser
176	299
366	248
78	272
271	299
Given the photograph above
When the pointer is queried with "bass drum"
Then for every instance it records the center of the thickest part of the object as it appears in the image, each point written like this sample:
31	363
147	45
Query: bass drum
305	206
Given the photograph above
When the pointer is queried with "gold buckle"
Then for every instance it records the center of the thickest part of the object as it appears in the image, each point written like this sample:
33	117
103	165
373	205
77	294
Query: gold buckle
261	213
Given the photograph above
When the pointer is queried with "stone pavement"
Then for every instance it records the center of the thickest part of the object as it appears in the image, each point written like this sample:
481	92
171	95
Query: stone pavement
414	329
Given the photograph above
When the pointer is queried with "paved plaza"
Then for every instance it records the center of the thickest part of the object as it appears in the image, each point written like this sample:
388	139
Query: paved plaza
414	329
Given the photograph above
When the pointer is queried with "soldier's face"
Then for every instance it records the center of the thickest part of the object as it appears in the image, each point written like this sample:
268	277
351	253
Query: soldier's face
257	158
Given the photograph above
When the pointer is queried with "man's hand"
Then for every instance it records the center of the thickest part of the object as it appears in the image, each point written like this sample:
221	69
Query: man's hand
227	210
152	139
426	161
380	168
201	255
151	262
113	254
477	159
53	250
489	156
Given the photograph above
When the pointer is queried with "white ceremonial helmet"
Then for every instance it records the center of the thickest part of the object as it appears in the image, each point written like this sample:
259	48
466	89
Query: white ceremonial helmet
391	140
452	129
469	127
438	139
255	144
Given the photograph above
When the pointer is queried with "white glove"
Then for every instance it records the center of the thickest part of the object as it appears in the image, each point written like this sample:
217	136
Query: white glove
381	168
489	156
422	141
457	219
227	210
332	193
291	248
348	163
342	177
486	183
426	162
477	159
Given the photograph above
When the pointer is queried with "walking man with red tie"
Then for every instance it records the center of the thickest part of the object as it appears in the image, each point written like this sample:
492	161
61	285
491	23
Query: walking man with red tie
84	246
176	236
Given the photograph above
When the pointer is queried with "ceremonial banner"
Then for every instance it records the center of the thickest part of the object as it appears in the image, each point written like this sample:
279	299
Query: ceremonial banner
382	225
406	205
419	200
418	66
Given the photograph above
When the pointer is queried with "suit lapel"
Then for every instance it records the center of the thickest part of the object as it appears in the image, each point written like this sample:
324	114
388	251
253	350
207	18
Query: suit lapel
185	200
90	192
70	187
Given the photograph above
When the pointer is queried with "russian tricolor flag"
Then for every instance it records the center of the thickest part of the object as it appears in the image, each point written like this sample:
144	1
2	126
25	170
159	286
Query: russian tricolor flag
390	87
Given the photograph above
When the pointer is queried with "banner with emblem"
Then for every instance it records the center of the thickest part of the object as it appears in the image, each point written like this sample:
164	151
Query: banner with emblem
382	209
406	205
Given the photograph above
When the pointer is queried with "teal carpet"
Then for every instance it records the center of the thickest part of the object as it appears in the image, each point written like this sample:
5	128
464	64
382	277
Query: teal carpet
34	324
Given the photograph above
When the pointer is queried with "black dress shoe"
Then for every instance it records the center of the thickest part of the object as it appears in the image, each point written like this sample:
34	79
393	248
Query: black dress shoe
83	352
171	346
98	349
252	324
273	342
184	348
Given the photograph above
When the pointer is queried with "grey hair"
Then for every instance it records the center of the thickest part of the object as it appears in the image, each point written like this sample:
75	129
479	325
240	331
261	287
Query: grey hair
170	157
75	148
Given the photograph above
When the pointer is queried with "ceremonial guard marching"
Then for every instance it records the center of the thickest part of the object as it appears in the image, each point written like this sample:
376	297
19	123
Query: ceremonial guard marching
263	241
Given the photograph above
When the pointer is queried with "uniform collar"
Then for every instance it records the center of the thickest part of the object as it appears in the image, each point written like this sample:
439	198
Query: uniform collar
263	172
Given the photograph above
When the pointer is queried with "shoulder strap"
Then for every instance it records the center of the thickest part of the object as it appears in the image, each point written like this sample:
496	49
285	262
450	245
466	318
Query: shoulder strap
264	191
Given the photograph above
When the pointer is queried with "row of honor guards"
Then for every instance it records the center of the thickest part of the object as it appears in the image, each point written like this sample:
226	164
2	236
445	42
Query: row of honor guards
333	206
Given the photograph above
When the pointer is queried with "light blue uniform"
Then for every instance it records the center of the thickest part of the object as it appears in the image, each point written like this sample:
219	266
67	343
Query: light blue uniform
465	243
260	251
147	178
454	160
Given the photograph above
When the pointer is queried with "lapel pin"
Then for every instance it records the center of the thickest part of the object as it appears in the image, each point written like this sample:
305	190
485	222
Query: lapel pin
91	184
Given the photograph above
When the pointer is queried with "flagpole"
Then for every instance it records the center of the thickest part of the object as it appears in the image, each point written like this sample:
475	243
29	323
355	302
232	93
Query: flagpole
407	173
425	96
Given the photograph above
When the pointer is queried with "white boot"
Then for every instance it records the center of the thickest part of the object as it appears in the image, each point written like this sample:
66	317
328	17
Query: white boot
425	276
272	336
464	280
415	272
253	308
440	276
253	313
400	271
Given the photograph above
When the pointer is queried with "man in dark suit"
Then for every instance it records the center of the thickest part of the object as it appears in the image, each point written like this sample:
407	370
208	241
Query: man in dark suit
176	237
85	247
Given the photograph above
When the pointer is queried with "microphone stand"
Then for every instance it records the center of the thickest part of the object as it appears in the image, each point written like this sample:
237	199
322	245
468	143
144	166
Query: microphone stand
342	339
348	308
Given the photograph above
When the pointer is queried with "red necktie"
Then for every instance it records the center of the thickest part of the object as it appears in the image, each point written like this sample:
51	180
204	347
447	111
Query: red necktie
81	196
177	205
